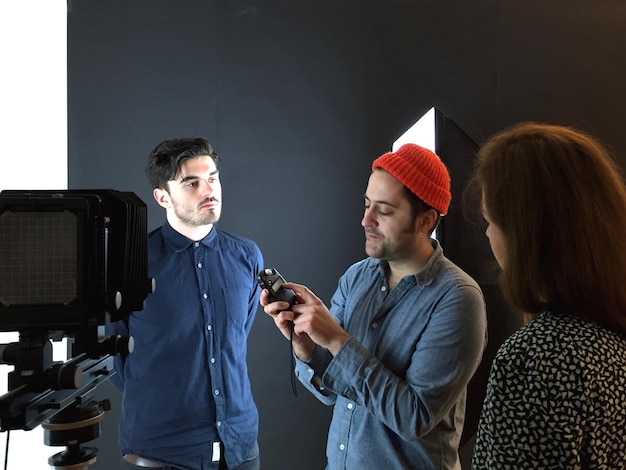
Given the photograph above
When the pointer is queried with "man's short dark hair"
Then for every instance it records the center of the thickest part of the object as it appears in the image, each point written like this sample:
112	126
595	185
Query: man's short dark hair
166	158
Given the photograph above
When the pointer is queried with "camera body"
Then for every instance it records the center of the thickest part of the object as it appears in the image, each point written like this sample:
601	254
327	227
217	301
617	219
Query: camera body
271	280
71	261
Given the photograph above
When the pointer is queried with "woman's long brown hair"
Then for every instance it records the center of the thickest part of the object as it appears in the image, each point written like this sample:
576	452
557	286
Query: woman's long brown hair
560	202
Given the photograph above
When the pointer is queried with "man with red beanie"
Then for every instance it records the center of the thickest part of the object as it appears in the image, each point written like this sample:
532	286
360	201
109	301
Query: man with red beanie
405	332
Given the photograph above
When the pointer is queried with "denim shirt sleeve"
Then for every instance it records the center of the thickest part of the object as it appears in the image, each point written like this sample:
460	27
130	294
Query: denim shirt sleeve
310	374
442	363
253	302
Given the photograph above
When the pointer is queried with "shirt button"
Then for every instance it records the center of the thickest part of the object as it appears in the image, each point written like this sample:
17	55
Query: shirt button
205	296
219	423
342	447
212	360
209	327
199	265
374	325
383	288
197	244
350	406
217	392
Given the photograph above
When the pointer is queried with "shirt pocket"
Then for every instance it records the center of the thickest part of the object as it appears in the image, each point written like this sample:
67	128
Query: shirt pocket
233	303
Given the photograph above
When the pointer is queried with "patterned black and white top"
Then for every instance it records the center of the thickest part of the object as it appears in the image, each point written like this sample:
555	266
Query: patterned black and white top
556	399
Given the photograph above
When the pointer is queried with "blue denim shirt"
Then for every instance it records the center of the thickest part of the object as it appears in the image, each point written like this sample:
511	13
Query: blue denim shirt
186	383
398	385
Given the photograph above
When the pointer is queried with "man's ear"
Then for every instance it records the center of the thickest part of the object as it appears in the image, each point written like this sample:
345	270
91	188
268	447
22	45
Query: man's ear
162	197
428	220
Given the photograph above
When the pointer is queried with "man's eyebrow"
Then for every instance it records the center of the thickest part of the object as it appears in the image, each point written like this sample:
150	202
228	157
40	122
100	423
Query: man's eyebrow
184	179
382	201
188	178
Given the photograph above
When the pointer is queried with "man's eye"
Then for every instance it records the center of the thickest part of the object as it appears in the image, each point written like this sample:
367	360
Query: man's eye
379	212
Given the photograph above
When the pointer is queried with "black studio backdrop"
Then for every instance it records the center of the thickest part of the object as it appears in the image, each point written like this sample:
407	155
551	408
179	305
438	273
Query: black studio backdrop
298	99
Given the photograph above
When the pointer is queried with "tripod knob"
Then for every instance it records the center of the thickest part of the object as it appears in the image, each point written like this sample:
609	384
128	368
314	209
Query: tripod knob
118	345
64	376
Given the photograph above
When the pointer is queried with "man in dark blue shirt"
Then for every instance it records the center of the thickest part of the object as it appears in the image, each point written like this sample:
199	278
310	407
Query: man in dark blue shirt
187	402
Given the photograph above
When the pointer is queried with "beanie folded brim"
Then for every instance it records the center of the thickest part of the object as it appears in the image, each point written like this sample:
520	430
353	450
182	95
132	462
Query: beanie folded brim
422	172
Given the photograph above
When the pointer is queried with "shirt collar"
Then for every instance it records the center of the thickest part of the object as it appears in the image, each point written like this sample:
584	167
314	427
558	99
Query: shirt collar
428	272
178	242
433	266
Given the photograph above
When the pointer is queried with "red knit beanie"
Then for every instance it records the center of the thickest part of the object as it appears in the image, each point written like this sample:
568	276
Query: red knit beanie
420	170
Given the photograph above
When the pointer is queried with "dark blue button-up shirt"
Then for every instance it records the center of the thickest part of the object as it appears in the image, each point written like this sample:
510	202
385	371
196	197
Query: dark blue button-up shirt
186	383
398	386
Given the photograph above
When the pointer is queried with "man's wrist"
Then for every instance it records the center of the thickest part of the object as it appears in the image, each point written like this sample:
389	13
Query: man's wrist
335	346
304	352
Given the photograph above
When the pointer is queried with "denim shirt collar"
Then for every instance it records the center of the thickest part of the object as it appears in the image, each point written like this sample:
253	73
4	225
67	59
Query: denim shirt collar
429	272
178	242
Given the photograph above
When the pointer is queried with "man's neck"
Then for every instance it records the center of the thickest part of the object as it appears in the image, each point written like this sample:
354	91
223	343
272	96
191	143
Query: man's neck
194	233
411	265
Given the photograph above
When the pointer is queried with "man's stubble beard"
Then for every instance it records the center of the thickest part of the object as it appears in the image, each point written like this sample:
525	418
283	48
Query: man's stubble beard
386	251
194	218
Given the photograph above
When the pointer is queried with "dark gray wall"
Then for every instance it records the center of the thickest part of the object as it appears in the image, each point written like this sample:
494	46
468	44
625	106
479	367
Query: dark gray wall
298	99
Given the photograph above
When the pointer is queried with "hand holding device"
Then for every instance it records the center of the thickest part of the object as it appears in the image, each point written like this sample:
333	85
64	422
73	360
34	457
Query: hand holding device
271	280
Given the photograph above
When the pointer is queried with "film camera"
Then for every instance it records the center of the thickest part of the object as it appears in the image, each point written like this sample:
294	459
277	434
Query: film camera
71	261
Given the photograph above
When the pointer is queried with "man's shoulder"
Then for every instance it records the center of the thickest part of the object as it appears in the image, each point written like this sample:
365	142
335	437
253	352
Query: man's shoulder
155	235
157	239
155	232
454	273
237	245
224	237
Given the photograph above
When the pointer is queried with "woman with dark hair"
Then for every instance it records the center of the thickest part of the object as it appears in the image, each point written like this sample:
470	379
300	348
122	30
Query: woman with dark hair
555	205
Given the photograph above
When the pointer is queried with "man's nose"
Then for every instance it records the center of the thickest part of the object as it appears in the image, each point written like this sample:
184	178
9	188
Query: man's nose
207	188
367	220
